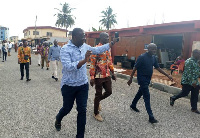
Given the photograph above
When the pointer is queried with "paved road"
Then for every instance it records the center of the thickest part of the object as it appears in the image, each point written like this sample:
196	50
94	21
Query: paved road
28	109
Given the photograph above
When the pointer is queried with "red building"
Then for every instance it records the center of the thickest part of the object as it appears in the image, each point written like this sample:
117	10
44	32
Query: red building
172	39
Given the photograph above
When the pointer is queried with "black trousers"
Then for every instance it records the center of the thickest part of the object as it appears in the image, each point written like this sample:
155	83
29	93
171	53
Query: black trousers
4	55
22	69
194	94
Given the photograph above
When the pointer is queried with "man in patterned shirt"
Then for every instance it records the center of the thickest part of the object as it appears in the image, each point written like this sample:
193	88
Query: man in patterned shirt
24	58
100	68
44	55
190	81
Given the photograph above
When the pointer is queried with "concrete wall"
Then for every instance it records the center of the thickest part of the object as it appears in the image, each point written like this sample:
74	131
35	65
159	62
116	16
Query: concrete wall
43	33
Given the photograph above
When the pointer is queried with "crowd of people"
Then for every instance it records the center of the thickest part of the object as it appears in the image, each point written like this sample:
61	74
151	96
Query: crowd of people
74	82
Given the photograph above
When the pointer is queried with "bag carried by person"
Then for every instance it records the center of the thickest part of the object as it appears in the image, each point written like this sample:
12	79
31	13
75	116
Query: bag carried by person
26	57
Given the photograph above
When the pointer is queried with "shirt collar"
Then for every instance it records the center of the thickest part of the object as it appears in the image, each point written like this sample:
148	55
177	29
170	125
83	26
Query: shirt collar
194	59
71	44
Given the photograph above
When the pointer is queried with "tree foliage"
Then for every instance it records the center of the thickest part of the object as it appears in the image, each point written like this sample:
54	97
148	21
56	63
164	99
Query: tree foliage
108	18
64	16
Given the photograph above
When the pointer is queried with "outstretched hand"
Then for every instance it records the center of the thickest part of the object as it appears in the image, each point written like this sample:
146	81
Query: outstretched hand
170	77
129	82
114	77
92	81
87	55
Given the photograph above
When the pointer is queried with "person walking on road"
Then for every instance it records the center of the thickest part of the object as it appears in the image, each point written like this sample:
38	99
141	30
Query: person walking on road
144	66
9	48
44	55
4	50
190	81
24	59
100	68
74	84
39	48
54	57
0	48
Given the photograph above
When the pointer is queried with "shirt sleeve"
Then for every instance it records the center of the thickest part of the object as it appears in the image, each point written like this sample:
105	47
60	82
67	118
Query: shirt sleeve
138	62
66	61
29	53
100	49
50	52
110	64
192	72
155	62
92	66
19	52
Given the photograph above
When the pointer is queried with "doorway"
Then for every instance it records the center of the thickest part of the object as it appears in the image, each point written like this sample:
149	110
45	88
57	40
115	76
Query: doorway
169	47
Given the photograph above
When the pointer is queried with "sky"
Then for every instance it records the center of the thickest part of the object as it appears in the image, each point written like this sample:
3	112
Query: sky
20	14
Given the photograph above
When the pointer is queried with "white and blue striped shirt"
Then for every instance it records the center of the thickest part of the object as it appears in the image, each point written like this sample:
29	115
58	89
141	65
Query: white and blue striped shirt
54	53
70	56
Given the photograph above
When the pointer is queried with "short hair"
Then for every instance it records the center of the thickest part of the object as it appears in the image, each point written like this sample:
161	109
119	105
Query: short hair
151	44
76	31
195	51
102	34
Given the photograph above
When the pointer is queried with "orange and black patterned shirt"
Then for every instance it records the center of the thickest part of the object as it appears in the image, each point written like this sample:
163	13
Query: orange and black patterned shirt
101	65
22	51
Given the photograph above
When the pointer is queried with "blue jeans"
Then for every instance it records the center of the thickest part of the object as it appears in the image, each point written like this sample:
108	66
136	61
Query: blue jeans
70	93
144	90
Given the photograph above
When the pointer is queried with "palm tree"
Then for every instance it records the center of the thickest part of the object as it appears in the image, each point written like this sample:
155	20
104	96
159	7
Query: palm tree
108	18
64	17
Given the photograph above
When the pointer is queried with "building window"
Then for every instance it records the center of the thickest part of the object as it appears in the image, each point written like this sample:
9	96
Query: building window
49	34
25	34
35	33
29	32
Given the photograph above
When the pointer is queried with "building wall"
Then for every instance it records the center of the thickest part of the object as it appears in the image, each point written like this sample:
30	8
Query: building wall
14	38
43	33
134	46
4	33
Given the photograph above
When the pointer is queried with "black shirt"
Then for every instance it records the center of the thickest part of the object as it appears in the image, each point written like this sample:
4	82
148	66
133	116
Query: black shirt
144	65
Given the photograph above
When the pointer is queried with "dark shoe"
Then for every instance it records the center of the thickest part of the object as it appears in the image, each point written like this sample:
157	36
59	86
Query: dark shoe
21	78
171	101
2	61
38	64
28	80
195	111
135	109
47	68
58	125
152	121
56	79
41	67
53	77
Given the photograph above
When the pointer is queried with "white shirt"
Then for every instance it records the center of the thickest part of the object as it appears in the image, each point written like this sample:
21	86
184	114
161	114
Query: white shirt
6	46
10	45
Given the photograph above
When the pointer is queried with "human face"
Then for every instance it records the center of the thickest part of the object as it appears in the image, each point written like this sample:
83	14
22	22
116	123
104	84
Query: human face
79	39
152	50
105	39
55	42
196	55
25	43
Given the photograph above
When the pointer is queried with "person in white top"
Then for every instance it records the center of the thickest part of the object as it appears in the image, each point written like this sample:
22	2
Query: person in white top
0	48
9	48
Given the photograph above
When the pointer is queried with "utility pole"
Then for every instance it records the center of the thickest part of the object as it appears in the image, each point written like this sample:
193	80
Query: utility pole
35	29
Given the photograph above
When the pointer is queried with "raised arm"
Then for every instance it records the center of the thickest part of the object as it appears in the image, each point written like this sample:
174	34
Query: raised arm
67	62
